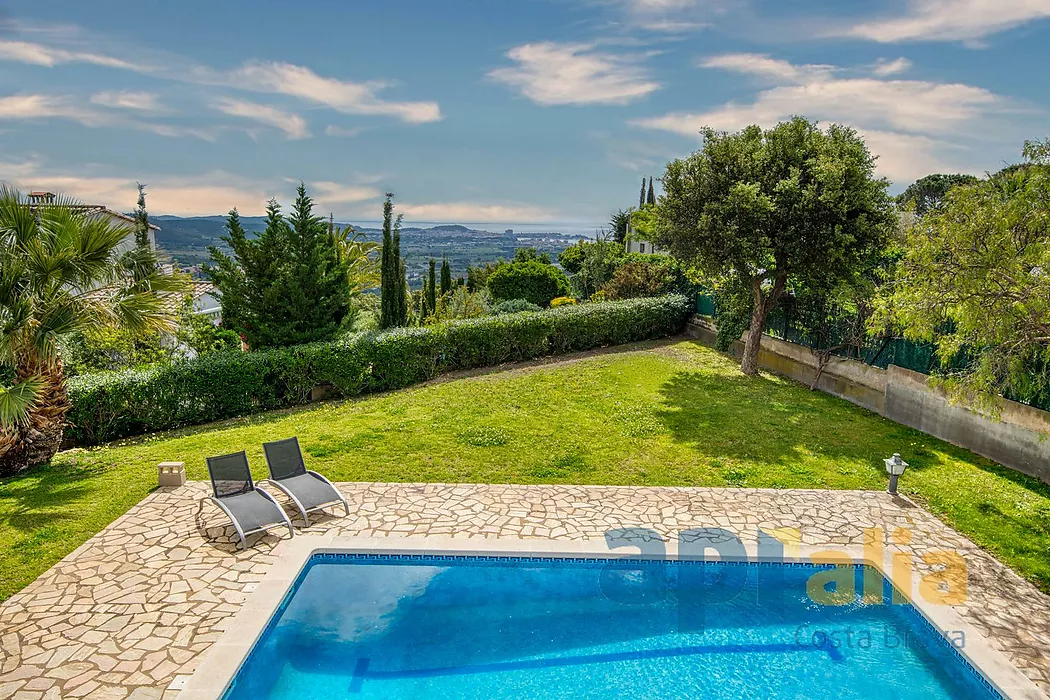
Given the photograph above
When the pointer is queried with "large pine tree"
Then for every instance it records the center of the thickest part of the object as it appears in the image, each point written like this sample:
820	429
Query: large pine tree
652	194
641	195
285	287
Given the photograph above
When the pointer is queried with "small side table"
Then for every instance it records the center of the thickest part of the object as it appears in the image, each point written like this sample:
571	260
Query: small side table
171	474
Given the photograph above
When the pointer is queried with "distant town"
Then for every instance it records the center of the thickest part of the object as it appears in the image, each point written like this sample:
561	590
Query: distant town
186	240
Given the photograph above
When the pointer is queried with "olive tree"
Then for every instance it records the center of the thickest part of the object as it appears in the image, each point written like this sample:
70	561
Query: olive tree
765	207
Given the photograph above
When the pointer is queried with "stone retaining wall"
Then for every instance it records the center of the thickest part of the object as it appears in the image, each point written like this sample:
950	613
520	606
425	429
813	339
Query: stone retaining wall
1018	439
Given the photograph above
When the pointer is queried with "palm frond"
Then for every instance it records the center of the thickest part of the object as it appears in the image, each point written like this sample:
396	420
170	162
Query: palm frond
16	402
141	312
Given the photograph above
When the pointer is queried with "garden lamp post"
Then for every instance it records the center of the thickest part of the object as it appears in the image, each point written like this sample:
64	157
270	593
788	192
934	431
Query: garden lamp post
895	466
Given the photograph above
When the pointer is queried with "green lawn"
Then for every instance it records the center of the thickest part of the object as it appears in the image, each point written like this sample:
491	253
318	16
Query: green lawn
677	414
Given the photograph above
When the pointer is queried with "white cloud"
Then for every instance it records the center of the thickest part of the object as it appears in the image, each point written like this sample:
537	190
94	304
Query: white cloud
562	74
907	157
340	95
951	20
908	122
765	66
884	68
340	193
360	98
293	126
667	16
30	107
128	99
206	193
342	131
40	55
473	212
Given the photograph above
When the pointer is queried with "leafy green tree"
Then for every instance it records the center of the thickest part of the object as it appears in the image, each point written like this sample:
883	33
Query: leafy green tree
197	332
446	276
619	223
478	275
645	276
532	255
651	199
600	261
532	281
592	264
928	192
792	203
571	259
108	349
973	280
393	285
61	272
286	287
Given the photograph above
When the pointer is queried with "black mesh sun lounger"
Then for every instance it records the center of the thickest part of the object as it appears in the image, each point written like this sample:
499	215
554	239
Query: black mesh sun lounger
308	490
250	508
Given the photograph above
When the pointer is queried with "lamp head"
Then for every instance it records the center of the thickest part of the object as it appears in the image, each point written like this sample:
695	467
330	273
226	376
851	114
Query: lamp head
895	466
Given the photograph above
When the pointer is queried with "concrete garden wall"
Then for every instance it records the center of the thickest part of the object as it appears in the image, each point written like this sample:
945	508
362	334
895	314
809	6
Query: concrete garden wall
1018	439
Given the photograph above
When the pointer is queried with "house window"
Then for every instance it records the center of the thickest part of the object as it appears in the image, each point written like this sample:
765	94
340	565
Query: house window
641	247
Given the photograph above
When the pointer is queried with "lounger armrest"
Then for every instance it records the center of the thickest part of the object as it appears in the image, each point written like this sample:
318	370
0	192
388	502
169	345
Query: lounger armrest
321	477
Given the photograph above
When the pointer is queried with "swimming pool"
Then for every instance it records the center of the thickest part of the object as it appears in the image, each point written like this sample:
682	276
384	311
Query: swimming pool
417	626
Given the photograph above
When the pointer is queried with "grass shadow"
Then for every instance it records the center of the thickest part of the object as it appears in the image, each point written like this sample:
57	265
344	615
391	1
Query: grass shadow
40	497
741	419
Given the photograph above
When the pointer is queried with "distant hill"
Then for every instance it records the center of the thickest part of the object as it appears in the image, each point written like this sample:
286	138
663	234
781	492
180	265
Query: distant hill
187	239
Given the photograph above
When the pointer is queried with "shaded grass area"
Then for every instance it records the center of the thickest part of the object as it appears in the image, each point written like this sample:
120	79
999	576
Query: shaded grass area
675	415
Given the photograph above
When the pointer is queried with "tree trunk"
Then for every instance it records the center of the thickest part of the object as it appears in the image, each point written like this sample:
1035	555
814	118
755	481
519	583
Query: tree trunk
763	304
38	440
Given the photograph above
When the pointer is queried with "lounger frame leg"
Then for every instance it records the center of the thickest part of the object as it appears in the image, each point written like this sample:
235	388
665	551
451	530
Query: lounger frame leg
342	498
229	514
287	521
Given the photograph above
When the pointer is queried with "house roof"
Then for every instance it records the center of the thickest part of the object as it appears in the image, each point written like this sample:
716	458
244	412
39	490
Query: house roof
171	302
45	199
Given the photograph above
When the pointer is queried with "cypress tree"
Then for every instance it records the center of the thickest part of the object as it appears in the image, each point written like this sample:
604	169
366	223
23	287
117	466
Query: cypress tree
392	285
446	276
652	194
142	220
641	195
432	288
400	278
387	285
403	298
142	259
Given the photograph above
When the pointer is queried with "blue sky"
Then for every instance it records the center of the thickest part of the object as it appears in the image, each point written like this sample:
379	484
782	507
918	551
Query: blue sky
510	111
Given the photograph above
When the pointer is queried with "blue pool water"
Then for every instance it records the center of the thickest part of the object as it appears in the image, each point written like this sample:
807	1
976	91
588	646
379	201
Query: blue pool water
378	626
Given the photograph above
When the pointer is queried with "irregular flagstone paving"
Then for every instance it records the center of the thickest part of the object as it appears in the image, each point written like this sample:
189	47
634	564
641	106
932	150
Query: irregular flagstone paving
138	604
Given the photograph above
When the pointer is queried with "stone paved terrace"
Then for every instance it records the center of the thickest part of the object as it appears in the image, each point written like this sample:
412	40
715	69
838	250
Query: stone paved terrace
138	604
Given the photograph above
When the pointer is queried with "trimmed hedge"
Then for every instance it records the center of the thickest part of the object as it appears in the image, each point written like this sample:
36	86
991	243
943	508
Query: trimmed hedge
111	405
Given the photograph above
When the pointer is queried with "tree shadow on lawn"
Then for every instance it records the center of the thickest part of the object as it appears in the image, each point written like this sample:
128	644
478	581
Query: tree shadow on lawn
38	499
773	421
